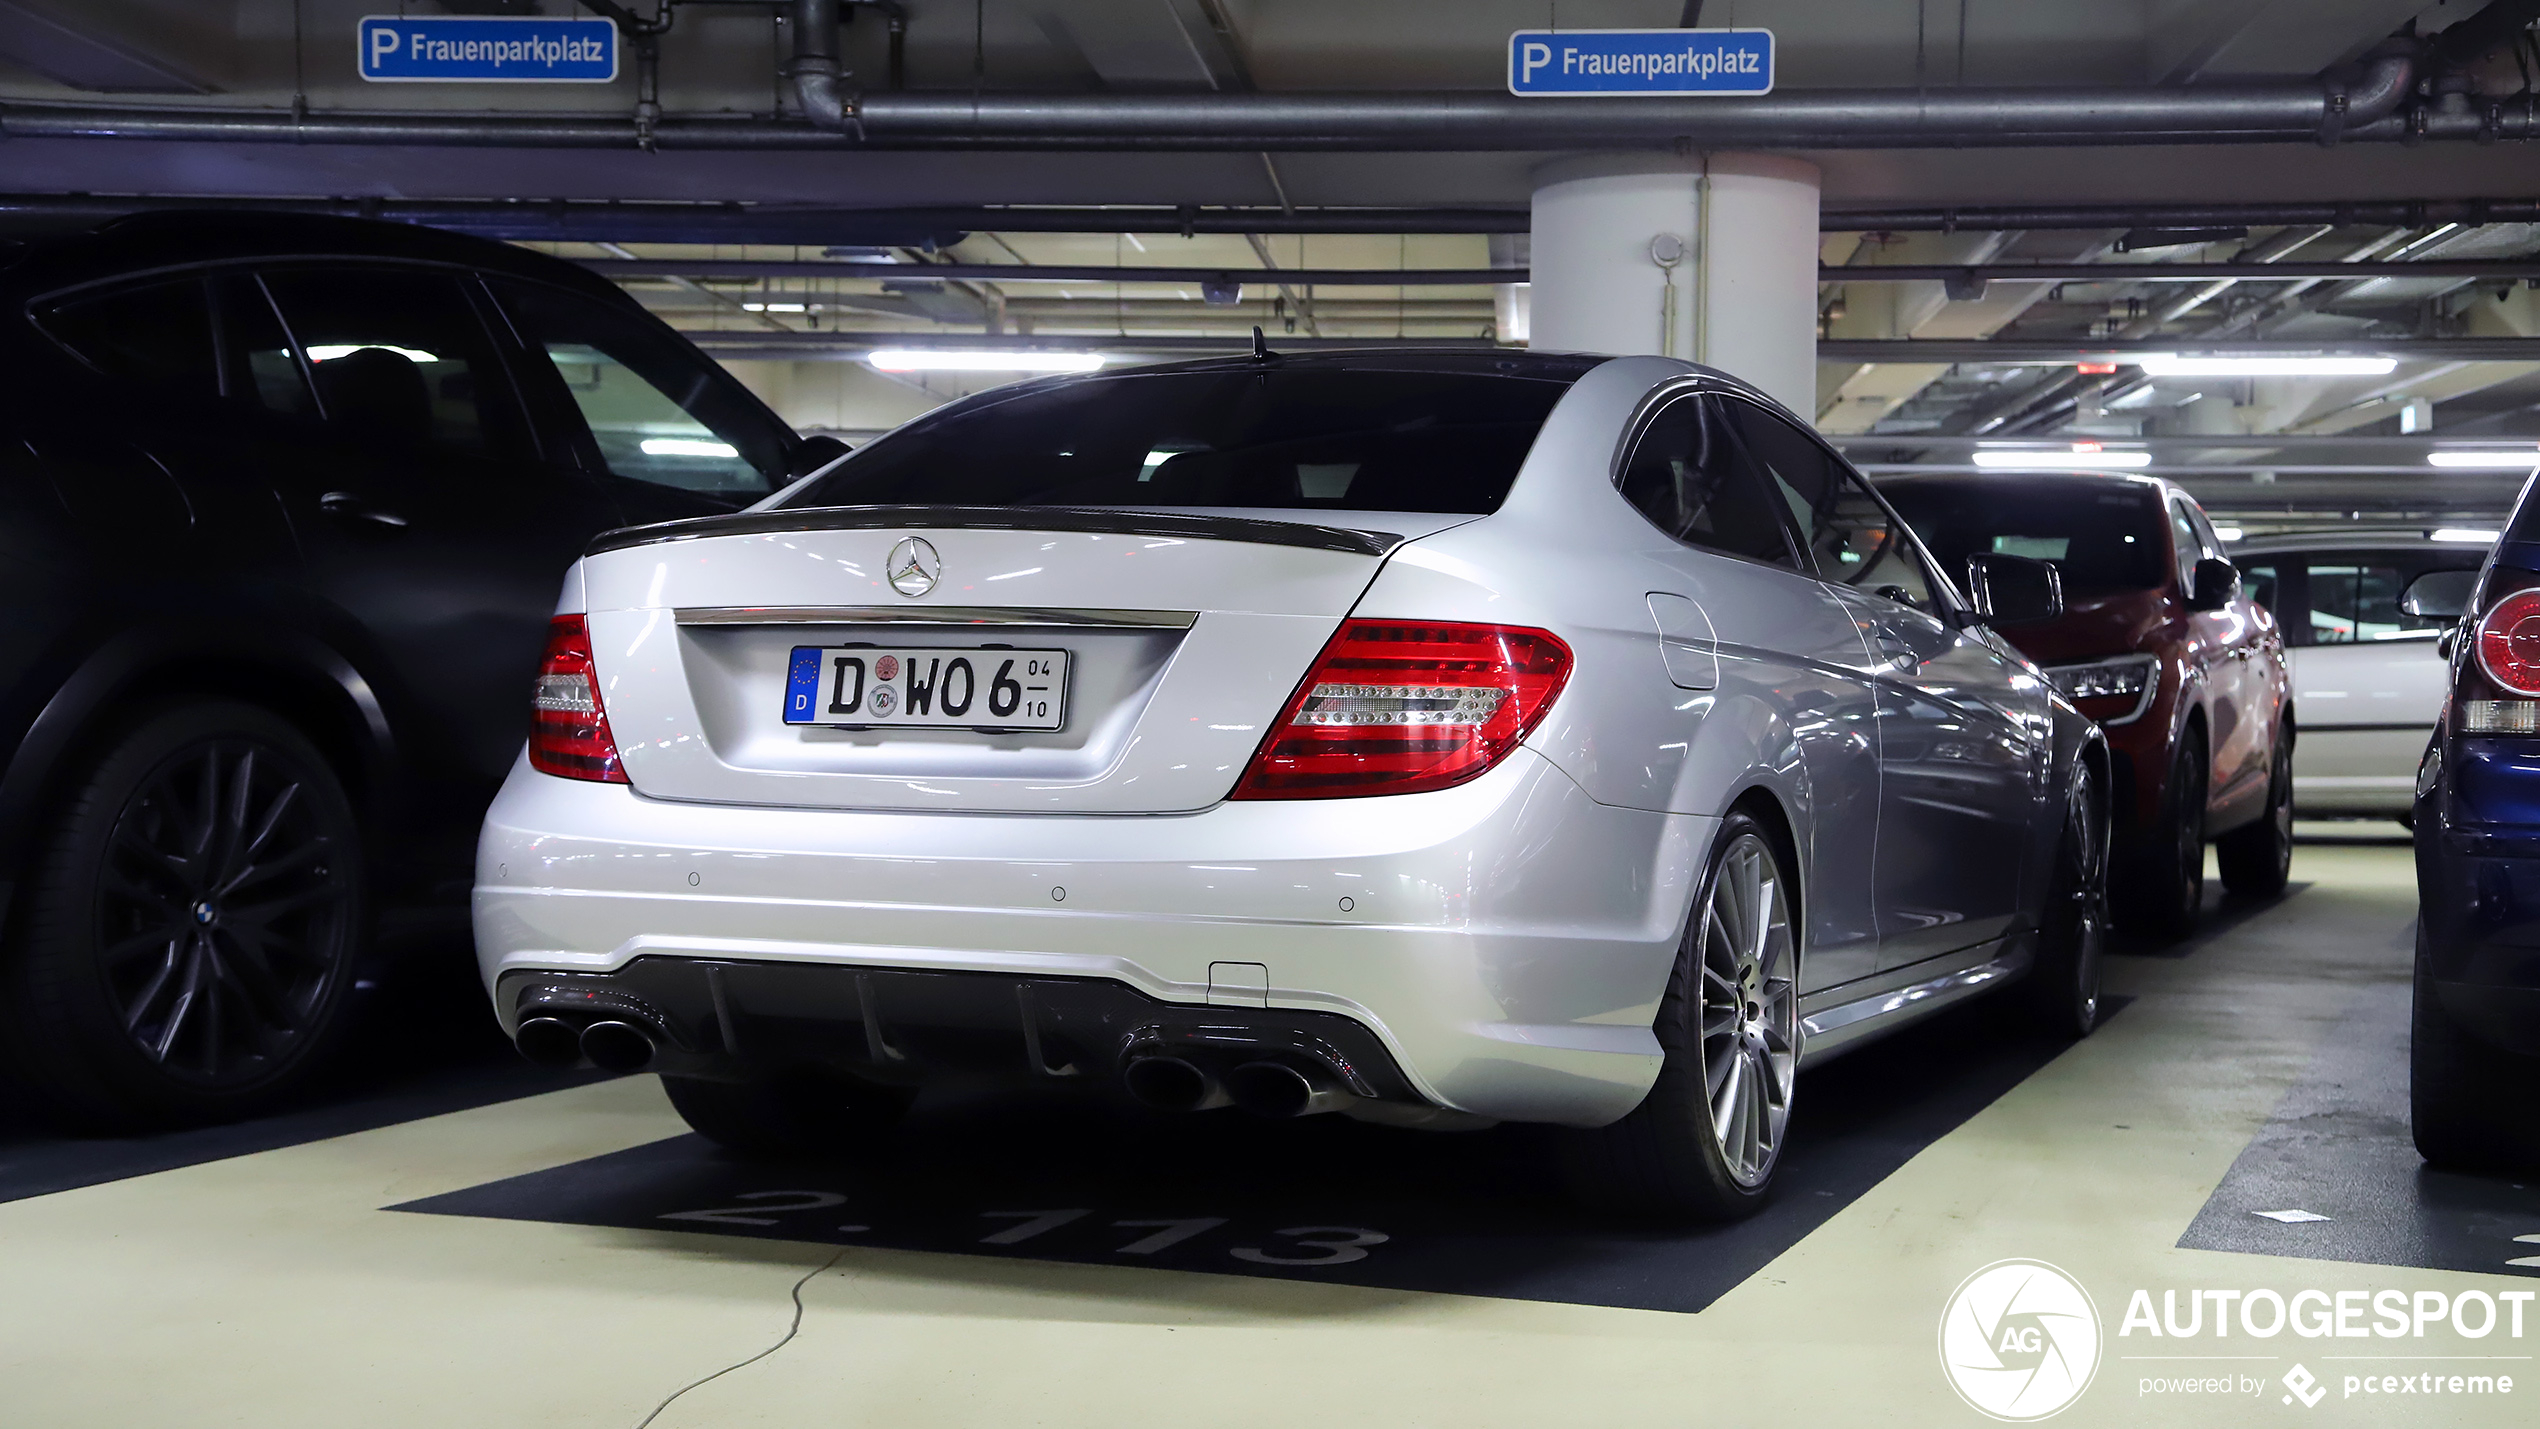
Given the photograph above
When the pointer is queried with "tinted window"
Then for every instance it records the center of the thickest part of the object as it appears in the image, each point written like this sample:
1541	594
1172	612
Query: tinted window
2101	536
398	355
2184	544
660	411
1848	536
2262	582
1690	478
1301	437
259	366
2355	601
159	335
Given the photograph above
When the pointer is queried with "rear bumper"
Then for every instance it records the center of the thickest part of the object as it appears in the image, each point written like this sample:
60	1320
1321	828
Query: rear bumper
1504	944
2478	902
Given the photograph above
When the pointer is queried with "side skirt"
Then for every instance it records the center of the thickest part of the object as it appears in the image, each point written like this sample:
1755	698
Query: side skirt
1833	1030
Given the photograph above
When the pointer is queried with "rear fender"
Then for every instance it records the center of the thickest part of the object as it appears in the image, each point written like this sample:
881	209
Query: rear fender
291	673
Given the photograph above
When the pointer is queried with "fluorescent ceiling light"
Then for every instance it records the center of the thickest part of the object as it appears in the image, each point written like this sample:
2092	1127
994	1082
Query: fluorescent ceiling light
686	446
329	351
2173	364
2523	460
952	359
2463	535
2084	455
2229	533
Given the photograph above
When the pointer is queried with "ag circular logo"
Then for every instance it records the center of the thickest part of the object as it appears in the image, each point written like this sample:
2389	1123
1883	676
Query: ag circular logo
913	567
2020	1340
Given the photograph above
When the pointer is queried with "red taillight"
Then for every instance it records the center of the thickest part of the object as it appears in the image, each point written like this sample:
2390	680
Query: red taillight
2509	643
569	735
1397	707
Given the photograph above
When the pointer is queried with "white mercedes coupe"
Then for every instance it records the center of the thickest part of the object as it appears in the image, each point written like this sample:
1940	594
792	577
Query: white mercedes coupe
1434	738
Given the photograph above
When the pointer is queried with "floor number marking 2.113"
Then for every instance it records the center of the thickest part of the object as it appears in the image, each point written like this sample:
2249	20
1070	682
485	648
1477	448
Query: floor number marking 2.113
1300	1246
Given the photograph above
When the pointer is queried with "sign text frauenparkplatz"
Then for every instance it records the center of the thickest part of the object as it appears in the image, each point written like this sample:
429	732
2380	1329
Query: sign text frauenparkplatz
1625	62
487	49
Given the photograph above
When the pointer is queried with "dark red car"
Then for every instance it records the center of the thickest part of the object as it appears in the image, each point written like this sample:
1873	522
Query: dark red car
2159	643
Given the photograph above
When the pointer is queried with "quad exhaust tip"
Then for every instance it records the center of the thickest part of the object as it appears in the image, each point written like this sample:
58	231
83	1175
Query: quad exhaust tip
549	1042
1173	1084
1275	1089
614	1046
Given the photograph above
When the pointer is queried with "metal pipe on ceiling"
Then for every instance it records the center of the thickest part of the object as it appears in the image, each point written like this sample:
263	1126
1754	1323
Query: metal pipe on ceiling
1977	218
1055	273
2327	110
2057	352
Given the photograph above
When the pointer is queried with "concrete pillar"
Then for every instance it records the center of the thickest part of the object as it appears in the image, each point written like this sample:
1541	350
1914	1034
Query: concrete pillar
1740	293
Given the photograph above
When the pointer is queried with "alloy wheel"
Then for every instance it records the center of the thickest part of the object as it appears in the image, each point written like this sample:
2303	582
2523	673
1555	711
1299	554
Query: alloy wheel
223	915
1750	1009
2088	839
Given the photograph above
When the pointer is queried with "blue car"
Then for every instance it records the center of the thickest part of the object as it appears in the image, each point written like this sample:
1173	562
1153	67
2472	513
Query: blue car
2475	1059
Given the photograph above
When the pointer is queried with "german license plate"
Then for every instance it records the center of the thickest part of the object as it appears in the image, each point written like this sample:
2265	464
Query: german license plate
871	687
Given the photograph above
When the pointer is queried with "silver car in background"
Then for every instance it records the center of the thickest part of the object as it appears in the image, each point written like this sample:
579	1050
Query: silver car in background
2368	681
1436	739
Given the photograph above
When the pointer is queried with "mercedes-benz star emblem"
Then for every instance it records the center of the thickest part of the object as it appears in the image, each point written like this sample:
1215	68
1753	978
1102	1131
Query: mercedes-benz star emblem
913	567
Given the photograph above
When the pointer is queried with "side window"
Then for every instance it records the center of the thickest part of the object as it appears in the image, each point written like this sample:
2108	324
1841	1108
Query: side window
1689	478
2259	579
1849	538
2185	544
398	355
158	335
2358	601
660	412
258	364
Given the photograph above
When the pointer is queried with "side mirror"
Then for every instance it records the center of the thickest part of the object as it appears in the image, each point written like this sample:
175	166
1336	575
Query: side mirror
2217	581
816	452
2439	595
2015	590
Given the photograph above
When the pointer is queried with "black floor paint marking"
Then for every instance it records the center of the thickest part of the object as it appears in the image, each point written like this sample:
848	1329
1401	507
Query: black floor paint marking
1319	1199
2338	1146
427	1045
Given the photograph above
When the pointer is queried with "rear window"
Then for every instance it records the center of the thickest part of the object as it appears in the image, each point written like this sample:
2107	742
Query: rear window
2109	538
1301	438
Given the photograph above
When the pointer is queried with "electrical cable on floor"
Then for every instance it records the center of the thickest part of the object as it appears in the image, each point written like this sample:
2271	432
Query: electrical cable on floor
790	1331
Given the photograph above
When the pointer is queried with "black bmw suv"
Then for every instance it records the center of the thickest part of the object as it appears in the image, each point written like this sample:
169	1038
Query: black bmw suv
285	505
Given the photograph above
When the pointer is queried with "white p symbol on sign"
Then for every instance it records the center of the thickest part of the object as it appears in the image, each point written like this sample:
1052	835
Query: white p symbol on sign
1533	56
383	43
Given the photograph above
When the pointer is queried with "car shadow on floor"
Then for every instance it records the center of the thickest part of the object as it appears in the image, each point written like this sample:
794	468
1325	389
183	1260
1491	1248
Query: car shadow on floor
1092	1179
2225	913
424	1043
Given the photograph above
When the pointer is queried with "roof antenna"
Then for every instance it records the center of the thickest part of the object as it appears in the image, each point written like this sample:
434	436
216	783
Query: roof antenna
1260	349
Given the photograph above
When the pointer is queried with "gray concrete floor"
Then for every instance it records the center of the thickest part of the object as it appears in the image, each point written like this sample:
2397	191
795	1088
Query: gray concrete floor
274	1289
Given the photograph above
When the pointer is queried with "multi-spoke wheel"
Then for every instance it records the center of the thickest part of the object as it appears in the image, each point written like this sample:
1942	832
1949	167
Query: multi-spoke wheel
1706	1139
1750	1009
2257	859
192	928
2062	988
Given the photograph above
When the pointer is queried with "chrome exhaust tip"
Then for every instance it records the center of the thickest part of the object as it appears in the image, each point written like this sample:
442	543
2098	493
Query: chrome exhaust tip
549	1042
617	1046
1275	1089
1172	1084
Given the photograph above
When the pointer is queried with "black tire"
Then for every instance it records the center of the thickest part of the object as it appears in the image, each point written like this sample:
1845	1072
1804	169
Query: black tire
2062	989
2163	894
787	1118
189	935
2469	1104
2257	859
1667	1159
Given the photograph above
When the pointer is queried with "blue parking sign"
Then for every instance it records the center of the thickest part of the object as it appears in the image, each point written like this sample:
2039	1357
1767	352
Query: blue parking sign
1624	62
487	49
